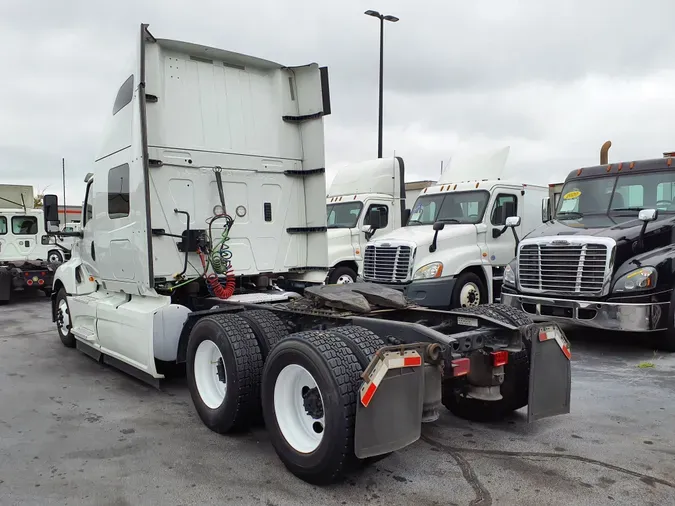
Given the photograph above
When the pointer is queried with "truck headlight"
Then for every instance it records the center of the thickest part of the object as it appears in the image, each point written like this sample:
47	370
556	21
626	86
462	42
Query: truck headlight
643	278
432	270
510	275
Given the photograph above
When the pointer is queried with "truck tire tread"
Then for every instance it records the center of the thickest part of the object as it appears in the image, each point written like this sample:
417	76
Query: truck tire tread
335	454
363	342
267	327
243	409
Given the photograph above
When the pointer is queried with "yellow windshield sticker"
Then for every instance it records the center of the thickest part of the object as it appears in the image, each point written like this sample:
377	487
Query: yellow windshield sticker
572	195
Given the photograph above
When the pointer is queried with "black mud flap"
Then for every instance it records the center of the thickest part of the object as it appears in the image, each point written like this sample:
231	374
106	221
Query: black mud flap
393	418
5	285
550	372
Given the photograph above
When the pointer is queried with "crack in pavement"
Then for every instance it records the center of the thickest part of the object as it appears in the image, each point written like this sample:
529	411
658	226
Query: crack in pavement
452	450
26	334
483	497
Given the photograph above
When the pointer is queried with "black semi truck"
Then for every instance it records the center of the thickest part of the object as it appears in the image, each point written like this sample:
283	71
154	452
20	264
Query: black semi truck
606	259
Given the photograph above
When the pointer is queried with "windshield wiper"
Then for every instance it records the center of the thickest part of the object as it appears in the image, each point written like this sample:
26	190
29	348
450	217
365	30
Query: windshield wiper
628	209
449	220
414	221
569	214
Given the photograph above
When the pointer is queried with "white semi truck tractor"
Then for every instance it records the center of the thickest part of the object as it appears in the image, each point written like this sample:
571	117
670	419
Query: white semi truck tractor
204	219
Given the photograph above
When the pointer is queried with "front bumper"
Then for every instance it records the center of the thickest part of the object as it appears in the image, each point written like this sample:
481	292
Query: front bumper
431	293
631	317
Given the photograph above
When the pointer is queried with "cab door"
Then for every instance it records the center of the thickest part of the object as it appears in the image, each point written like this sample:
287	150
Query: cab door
501	247
3	236
87	247
25	231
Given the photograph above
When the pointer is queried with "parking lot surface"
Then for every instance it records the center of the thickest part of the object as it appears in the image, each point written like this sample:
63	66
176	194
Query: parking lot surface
75	432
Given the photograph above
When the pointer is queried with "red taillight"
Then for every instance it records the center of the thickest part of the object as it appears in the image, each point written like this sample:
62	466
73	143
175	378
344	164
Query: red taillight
500	358
43	273
461	367
26	274
41	282
29	282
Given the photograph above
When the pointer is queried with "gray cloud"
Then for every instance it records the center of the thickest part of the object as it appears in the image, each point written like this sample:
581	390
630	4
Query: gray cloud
553	80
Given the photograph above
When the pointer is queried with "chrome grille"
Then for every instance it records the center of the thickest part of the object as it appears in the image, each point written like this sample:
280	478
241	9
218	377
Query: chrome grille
386	264
565	268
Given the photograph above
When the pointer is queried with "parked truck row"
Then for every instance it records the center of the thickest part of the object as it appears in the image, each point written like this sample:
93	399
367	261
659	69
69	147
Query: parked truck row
28	255
204	242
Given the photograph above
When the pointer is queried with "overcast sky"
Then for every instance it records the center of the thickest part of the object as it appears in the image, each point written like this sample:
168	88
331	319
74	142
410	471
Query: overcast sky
552	79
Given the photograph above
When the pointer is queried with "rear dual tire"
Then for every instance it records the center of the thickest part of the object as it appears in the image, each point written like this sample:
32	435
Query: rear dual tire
307	390
317	445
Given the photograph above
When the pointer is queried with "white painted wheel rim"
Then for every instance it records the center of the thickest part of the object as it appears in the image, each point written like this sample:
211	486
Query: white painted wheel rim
469	295
302	431
64	317
344	279
54	258
210	388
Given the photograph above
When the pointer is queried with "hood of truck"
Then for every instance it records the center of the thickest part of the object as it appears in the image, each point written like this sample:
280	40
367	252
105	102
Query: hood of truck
625	230
422	235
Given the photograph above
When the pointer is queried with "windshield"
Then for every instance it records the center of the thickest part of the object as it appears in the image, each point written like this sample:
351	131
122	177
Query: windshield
625	194
344	215
459	207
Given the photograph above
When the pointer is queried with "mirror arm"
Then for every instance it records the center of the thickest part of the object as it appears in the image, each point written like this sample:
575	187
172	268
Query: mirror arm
432	246
65	234
515	236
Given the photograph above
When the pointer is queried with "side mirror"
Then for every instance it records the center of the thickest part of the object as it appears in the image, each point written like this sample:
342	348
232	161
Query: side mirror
546	214
439	225
366	229
375	219
405	217
647	215
513	221
50	209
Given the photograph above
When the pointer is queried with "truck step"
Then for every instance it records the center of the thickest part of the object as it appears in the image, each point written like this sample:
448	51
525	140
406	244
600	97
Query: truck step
84	333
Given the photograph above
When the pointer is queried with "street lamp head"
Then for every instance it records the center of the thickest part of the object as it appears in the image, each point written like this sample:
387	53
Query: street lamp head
375	14
393	19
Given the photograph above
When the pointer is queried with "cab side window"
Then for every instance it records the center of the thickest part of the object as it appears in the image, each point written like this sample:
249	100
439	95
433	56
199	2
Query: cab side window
24	225
118	192
384	210
3	225
504	207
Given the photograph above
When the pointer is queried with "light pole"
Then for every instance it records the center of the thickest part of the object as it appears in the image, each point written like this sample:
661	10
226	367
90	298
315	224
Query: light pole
382	19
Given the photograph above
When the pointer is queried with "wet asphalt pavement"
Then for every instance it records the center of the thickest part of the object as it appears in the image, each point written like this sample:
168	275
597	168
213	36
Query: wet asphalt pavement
75	432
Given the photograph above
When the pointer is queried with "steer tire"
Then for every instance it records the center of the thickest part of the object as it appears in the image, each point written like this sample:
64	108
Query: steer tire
516	386
336	372
68	339
267	327
242	362
340	272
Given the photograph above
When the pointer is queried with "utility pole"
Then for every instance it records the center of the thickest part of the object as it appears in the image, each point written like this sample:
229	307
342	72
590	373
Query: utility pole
63	170
382	19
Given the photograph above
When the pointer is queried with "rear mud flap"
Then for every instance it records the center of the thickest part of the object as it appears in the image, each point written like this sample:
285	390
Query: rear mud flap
550	372
393	418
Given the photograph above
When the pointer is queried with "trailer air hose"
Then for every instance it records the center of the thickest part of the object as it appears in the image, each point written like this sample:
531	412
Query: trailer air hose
220	259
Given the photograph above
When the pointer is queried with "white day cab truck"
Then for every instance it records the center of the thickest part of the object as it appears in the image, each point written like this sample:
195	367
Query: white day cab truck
28	256
206	205
358	190
455	245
